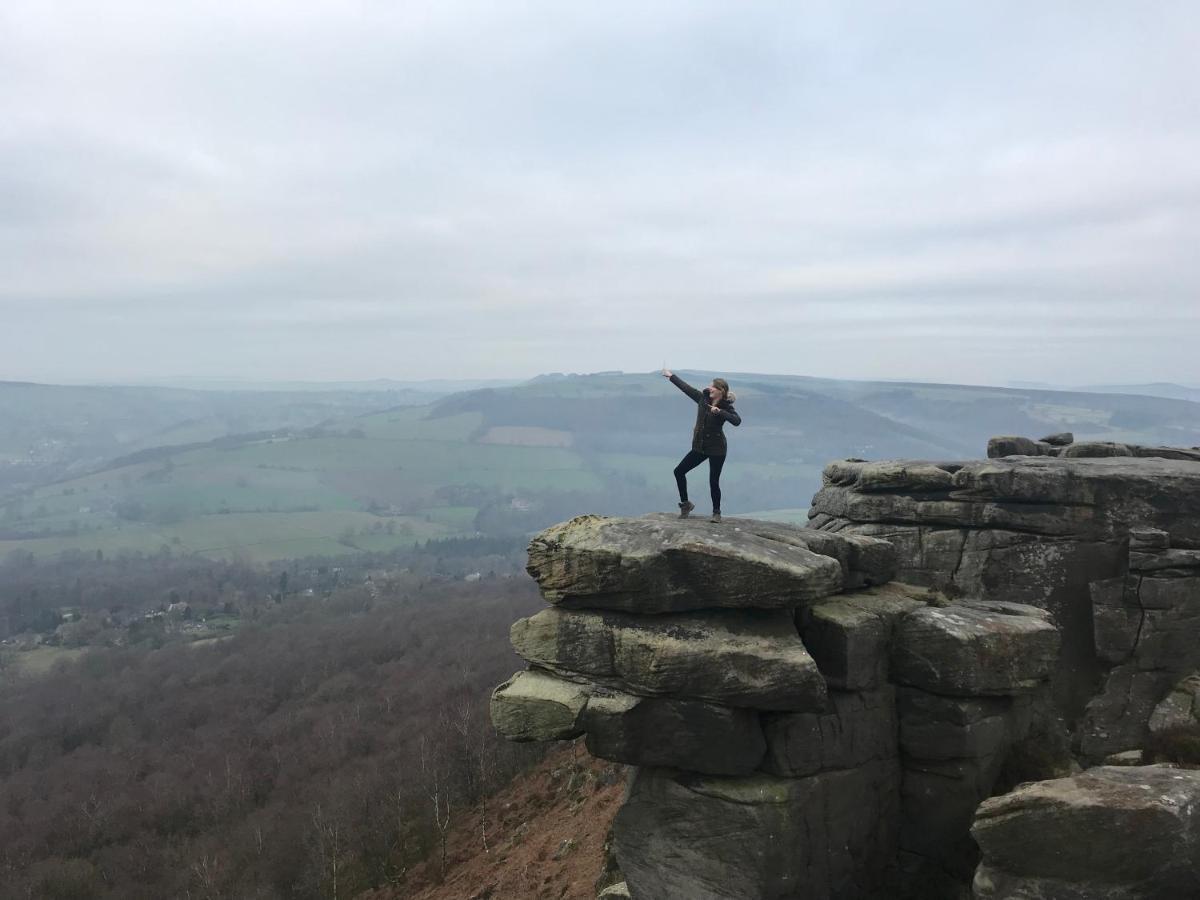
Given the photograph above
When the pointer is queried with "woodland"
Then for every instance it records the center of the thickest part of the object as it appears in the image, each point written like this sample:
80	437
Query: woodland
323	748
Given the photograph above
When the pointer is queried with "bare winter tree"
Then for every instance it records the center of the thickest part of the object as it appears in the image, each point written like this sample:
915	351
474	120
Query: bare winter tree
400	815
487	773
329	839
207	872
438	791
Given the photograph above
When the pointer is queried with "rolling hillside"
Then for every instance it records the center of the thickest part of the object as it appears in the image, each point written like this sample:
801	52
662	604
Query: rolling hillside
513	459
48	432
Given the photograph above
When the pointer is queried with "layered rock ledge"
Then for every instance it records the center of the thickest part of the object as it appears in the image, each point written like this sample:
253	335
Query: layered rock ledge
1106	539
745	658
1108	544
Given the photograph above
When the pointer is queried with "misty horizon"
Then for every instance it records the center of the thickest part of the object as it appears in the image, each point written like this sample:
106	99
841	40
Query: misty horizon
314	192
441	385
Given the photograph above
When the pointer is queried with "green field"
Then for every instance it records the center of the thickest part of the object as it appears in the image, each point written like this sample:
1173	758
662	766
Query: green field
255	537
370	483
41	660
658	468
372	486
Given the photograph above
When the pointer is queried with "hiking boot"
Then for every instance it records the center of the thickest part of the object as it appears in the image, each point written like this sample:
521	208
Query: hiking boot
716	517
685	509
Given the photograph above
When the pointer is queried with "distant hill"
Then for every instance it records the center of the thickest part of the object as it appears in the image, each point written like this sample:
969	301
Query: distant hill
51	431
430	388
831	418
1157	389
497	460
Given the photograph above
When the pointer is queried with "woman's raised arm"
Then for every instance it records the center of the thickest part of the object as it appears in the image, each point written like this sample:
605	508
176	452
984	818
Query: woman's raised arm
683	385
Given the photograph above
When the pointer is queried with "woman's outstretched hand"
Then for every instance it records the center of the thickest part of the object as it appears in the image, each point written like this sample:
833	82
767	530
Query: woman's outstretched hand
666	373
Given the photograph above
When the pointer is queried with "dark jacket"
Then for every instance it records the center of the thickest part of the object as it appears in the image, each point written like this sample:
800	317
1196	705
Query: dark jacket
708	437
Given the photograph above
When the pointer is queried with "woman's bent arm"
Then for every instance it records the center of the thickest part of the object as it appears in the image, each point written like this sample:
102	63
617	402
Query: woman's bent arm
730	415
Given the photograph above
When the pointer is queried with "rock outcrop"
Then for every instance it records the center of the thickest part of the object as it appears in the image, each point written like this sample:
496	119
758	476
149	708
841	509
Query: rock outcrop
536	706
1064	533
828	712
805	728
1065	445
1104	537
1111	833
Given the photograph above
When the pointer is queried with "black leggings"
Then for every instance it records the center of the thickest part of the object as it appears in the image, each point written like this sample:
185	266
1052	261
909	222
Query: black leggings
689	462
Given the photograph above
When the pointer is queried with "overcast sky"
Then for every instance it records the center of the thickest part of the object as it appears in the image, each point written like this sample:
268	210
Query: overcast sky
338	190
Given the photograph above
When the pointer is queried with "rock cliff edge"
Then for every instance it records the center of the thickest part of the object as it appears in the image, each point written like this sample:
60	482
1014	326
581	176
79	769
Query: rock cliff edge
820	712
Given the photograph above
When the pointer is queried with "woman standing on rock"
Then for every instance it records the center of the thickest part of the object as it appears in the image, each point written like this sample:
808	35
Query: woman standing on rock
708	439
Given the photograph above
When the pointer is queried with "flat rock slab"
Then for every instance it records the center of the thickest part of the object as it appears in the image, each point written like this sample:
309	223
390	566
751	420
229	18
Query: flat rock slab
538	706
1059	439
1168	562
680	835
1011	445
1096	449
865	561
1148	539
890	476
973	648
1186	453
750	659
660	731
1112	831
659	564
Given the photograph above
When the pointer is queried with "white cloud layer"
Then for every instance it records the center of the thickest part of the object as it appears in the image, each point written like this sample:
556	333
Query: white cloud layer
948	191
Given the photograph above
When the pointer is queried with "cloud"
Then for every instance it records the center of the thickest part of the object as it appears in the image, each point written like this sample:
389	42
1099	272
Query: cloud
375	189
